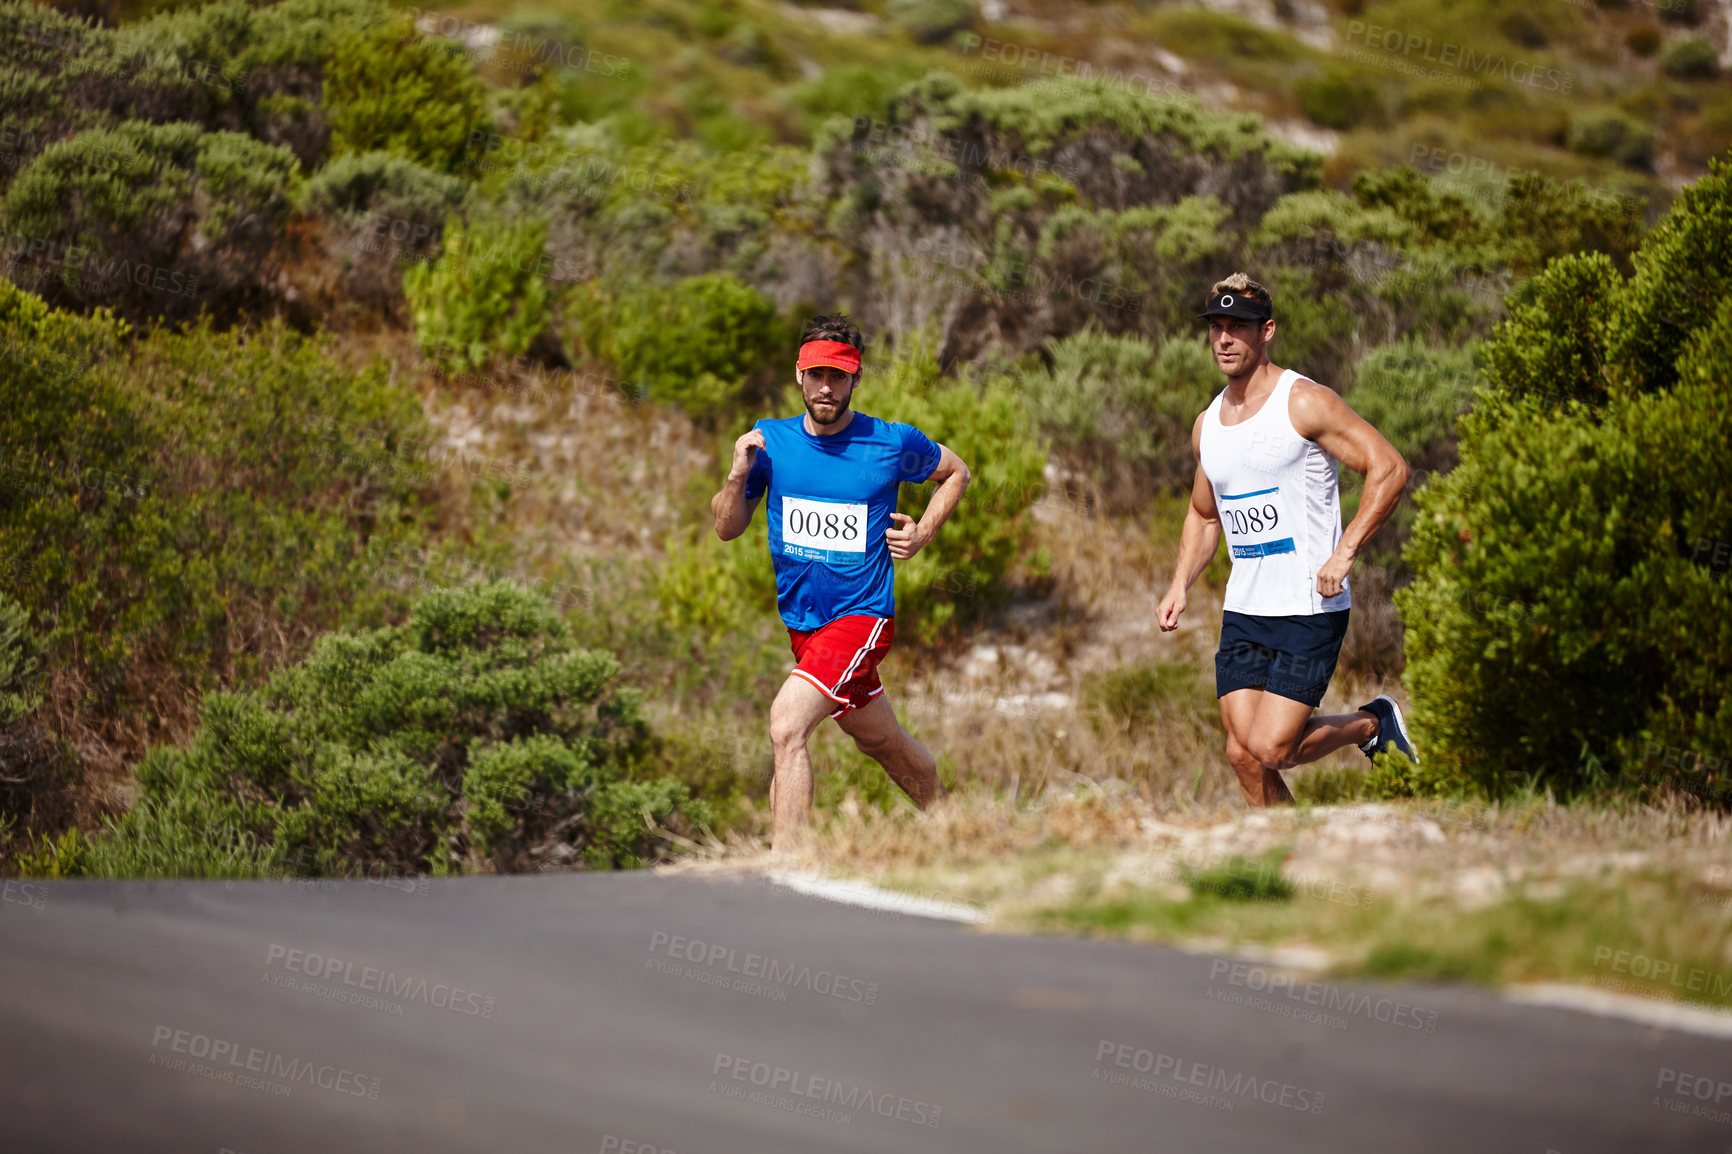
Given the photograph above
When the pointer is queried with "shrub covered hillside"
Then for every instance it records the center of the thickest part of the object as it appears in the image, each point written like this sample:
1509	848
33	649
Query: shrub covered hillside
317	305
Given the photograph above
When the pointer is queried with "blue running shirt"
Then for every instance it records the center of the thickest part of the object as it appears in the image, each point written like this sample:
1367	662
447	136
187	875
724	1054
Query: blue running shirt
830	503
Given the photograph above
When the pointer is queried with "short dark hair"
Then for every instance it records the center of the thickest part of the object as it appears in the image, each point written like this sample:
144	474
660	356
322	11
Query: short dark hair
834	327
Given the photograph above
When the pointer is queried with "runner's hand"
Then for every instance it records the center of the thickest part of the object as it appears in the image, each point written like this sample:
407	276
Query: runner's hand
1333	573
905	540
1172	605
746	452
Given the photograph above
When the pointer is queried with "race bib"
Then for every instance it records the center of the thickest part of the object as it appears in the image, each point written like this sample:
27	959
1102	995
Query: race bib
830	531
1254	524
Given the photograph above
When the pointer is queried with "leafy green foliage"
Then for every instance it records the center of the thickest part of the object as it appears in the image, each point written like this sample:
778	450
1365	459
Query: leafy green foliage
1438	216
1413	393
473	734
1553	344
1544	219
1612	133
485	295
968	569
930	21
1043	112
1683	274
20	662
150	219
390	88
1559	621
176	509
713	587
362	182
850	90
706	343
1690	58
226	66
1122	409
381	212
1568	563
1337	99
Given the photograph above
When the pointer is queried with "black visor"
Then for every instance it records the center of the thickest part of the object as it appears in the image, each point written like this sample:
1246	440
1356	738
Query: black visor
1232	304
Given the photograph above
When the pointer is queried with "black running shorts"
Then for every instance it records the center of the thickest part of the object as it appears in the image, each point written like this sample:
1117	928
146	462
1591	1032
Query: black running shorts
1290	657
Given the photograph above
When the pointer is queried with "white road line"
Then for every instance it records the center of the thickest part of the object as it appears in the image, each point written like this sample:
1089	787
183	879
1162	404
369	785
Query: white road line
871	897
1671	1015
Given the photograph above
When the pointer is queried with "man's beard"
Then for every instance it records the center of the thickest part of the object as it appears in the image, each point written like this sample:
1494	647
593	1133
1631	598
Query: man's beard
841	411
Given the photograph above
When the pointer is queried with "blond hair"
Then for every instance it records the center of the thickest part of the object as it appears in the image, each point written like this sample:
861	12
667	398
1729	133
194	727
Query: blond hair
1244	286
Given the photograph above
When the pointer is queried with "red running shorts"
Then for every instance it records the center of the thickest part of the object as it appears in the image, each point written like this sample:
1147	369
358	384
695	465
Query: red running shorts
841	658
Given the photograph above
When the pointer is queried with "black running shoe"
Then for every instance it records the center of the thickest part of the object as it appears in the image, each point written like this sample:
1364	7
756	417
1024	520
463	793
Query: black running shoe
1391	729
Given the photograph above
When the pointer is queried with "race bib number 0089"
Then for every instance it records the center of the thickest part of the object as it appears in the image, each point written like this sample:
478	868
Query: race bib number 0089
830	531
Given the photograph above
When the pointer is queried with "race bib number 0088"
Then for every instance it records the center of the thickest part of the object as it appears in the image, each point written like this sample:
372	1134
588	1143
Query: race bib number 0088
830	531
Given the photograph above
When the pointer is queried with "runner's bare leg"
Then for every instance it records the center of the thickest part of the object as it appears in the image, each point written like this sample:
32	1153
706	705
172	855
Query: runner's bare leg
878	735
800	707
1267	733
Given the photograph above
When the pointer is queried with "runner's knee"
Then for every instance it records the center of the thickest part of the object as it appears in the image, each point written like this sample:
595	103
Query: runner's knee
1271	754
787	733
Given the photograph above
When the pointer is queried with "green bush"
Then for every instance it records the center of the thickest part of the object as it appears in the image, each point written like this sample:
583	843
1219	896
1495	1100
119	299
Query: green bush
1562	625
1121	409
1338	100
1612	133
381	212
1552	346
150	219
930	21
485	296
851	90
716	588
1316	331
473	735
969	569
226	66
1690	58
1542	219
1438	216
1568	564
389	88
181	512
1300	216
20	663
1682	273
708	343
1414	393
1046	111
358	183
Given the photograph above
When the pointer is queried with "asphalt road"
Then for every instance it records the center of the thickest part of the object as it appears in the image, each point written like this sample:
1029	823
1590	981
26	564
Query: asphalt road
600	1013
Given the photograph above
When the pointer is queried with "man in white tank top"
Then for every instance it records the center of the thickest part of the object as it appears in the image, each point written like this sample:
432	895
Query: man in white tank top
1268	449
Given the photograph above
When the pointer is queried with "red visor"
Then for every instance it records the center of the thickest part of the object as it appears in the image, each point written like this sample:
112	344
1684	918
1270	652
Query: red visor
832	353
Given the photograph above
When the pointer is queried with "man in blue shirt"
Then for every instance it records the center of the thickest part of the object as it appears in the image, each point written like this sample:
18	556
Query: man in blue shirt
832	476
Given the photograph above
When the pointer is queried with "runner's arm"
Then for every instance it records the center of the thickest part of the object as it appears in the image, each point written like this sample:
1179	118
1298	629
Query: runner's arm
730	507
1321	416
1198	540
908	536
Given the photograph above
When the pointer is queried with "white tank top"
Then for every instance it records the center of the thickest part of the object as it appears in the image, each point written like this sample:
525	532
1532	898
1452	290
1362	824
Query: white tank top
1279	499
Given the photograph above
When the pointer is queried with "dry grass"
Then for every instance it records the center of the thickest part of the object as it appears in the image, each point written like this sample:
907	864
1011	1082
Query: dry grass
1498	894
